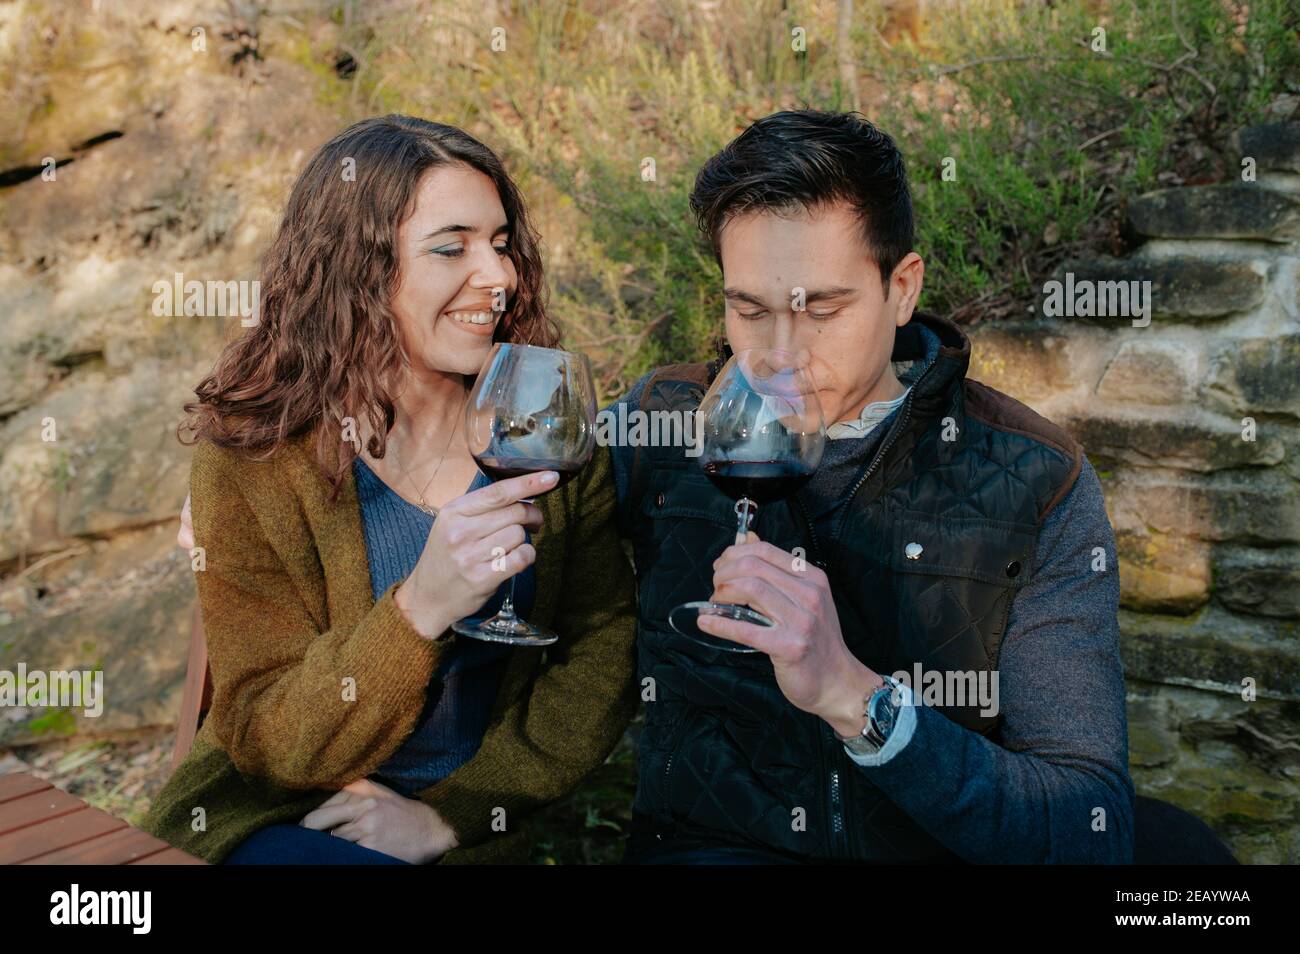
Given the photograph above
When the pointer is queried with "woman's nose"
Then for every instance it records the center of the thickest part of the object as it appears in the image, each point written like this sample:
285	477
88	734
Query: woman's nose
491	271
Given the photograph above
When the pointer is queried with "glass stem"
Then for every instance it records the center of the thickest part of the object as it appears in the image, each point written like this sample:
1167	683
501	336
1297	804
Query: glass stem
507	610
745	509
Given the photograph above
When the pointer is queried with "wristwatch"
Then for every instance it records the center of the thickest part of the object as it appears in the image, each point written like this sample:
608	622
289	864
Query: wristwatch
880	708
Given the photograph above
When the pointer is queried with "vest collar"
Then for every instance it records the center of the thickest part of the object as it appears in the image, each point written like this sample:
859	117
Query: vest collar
940	355
928	340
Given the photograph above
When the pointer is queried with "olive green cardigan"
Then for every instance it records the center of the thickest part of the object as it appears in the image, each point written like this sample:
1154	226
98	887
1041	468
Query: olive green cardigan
316	683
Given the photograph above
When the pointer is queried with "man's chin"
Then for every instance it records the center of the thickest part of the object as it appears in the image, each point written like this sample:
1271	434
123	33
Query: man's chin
832	405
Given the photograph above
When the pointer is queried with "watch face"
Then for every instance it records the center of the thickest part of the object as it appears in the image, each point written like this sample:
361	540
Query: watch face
883	711
887	721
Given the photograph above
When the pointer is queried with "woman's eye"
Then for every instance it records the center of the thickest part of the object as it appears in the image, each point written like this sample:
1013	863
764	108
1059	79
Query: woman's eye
502	249
822	315
751	315
448	251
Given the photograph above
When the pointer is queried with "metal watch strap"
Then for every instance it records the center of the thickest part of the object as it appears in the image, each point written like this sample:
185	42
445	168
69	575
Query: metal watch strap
871	740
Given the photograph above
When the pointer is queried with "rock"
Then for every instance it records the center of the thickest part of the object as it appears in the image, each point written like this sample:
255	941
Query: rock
1232	211
10	763
1276	845
1262	583
127	611
116	462
57	322
1231	763
1257	375
1174	437
1151	741
1212	649
1250	507
1150	372
1221	798
1275	147
81	253
1034	361
1161	573
1181	287
16	596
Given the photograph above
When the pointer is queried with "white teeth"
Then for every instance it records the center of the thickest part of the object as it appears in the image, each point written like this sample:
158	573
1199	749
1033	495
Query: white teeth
471	317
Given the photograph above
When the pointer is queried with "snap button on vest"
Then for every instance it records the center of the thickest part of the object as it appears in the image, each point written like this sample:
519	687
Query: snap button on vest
659	499
913	551
1013	569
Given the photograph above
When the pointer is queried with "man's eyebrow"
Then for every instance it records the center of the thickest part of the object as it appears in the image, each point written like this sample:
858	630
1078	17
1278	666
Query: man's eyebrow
824	293
449	229
735	294
821	294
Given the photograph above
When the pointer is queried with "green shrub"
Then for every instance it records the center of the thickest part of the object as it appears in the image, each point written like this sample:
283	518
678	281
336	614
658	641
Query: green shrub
1047	134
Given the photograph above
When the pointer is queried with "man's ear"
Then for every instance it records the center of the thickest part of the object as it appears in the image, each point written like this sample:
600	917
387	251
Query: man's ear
905	283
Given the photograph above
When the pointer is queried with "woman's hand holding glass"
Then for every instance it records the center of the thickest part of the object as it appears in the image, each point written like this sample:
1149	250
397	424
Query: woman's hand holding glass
477	541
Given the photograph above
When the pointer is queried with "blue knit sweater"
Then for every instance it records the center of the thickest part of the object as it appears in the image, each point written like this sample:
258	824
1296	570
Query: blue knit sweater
464	687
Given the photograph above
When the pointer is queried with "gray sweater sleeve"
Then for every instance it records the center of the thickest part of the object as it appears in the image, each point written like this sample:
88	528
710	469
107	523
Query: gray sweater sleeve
1063	754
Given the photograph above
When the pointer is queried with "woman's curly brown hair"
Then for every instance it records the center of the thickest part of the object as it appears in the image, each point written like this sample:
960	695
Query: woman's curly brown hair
326	346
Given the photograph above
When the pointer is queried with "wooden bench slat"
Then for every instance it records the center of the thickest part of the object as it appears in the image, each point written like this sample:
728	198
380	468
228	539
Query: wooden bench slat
36	807
20	783
118	847
56	833
170	856
43	825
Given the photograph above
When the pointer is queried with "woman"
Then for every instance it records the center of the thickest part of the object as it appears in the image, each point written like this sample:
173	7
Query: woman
344	527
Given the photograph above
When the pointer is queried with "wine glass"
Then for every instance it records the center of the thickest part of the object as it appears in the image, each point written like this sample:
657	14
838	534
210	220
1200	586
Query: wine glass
531	409
763	438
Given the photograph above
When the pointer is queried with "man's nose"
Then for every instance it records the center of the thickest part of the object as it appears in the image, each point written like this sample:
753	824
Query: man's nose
784	333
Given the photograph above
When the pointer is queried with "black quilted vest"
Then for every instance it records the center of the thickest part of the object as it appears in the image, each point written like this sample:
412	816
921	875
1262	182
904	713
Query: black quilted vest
965	472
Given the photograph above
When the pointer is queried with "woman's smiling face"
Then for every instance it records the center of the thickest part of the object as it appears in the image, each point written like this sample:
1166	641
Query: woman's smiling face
456	276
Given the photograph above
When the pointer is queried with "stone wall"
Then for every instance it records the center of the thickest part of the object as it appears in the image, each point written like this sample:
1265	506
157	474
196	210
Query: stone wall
1193	424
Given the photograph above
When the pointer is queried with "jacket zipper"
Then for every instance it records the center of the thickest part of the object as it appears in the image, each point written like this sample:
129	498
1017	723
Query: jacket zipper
812	534
678	733
890	438
826	754
840	842
839	828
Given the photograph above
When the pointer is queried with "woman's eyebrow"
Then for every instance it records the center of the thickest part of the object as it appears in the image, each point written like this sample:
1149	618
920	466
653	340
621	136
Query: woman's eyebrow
447	229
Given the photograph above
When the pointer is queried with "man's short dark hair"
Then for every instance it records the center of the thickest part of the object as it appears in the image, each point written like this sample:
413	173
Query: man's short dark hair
805	159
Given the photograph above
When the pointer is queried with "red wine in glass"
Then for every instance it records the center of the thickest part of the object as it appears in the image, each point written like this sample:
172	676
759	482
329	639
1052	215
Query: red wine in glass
762	481
503	468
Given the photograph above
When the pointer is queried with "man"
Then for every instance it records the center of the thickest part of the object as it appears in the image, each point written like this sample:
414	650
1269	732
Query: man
950	535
